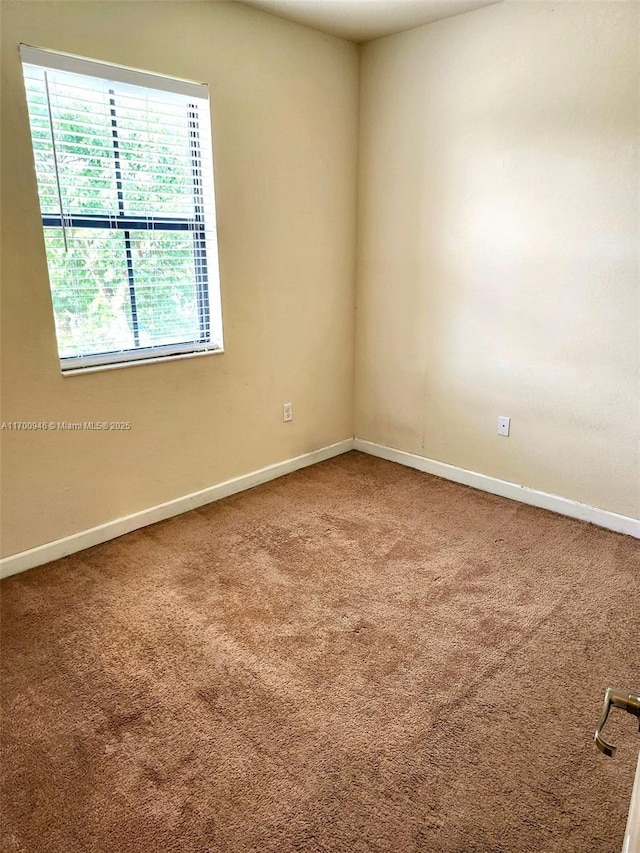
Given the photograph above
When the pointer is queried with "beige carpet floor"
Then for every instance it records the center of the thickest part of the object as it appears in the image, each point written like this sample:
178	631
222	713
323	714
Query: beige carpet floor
356	657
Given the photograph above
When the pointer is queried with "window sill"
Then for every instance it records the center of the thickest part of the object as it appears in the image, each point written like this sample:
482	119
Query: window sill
98	368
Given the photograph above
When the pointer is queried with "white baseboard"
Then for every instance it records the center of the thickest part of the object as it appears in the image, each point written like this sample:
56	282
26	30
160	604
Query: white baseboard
563	506
118	527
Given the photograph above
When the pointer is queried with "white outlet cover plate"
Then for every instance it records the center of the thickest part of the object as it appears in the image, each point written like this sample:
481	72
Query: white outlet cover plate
504	425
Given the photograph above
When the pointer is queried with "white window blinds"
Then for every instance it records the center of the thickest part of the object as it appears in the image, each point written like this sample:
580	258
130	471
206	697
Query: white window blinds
125	179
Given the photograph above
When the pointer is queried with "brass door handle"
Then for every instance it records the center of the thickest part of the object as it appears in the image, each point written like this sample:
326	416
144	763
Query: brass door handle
616	698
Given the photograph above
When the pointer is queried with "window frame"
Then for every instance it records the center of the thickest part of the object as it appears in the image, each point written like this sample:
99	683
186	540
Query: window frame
201	225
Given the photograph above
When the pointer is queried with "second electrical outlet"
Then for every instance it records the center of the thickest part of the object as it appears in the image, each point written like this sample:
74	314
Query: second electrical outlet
504	425
287	412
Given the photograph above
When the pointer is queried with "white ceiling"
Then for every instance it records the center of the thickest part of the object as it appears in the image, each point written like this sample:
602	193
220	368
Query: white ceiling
362	20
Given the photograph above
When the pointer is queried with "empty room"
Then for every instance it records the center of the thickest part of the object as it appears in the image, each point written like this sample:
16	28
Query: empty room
320	427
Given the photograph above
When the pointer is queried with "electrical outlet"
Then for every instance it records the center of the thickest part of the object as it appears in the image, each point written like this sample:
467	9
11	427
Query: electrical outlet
503	426
287	412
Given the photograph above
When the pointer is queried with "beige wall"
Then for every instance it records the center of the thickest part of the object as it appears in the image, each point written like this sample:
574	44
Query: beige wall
498	246
284	112
497	268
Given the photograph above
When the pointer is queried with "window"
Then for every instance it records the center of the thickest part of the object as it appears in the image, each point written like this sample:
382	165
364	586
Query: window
125	179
